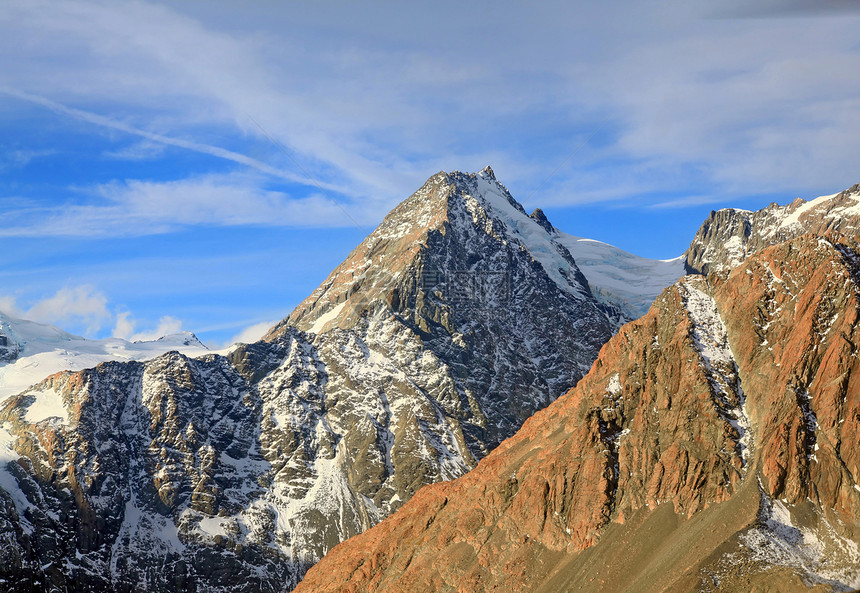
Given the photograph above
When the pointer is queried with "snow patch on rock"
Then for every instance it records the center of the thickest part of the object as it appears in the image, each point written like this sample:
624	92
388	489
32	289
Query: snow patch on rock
47	403
819	553
712	341
323	319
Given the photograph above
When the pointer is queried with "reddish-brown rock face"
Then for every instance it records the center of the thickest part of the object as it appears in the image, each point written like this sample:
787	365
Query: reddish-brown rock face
711	440
792	314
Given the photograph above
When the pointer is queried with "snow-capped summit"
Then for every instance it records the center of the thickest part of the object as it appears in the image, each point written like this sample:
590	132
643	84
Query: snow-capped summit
178	340
417	240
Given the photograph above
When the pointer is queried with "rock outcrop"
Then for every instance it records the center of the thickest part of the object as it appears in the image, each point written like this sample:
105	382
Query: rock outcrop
9	349
713	446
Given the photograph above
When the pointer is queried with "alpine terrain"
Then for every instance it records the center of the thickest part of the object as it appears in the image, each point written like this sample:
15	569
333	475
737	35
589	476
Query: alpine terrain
31	351
456	320
713	446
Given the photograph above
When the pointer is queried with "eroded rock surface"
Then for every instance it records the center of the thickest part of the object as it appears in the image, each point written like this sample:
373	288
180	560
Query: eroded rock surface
730	235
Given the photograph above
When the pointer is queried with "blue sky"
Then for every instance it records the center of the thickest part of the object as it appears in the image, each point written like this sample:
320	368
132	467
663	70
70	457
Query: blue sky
204	165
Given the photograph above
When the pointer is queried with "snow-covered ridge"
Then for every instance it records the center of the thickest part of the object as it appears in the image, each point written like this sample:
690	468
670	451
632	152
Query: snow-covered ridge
41	350
526	230
615	277
731	235
619	278
794	217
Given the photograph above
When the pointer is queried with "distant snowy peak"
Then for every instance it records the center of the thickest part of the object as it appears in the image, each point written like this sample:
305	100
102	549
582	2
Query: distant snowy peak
178	340
31	351
731	235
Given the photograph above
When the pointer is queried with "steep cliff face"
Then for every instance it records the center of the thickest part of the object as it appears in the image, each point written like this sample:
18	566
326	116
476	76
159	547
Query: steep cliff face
729	236
712	446
454	321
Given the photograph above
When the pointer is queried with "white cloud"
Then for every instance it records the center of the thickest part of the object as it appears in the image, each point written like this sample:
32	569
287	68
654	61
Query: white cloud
9	306
124	327
80	305
136	208
251	334
86	307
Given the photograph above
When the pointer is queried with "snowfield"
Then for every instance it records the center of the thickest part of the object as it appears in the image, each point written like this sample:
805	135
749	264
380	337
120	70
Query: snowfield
45	350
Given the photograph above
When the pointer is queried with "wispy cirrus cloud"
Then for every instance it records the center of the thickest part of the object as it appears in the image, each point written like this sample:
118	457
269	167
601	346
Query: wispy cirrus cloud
17	158
139	208
137	151
106	122
732	104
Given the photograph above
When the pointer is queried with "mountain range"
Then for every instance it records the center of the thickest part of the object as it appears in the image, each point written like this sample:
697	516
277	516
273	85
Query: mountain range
705	439
449	326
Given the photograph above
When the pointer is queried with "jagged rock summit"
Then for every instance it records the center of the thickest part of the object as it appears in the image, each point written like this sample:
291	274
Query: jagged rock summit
713	446
452	323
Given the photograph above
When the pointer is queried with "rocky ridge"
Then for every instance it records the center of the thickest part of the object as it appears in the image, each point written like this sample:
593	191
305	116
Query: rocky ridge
712	446
730	235
456	320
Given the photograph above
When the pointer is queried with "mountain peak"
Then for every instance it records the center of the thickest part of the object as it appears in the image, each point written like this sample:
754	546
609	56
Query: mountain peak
388	266
183	338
